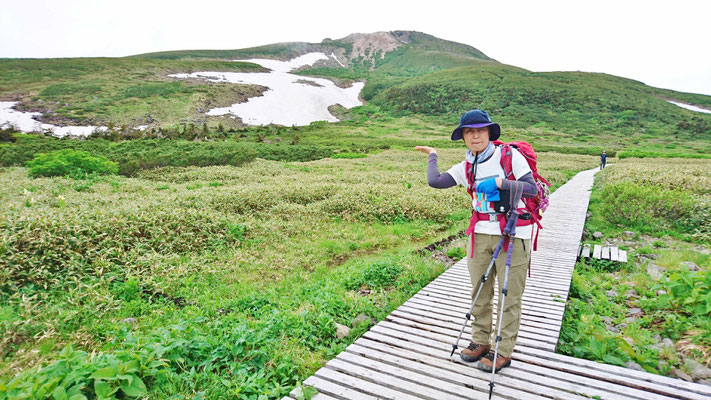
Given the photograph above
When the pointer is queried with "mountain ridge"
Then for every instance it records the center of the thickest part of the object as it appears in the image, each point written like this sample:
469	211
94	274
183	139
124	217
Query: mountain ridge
405	72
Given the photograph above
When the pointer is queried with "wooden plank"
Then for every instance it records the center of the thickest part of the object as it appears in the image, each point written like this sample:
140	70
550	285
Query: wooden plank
451	328
548	305
623	372
605	253
614	253
537	298
367	389
449	333
520	379
445	382
544	314
596	251
557	369
418	310
552	275
404	385
466	290
551	322
577	253
454	379
618	375
586	251
623	256
333	389
434	309
520	371
319	396
526	307
537	280
461	309
549	268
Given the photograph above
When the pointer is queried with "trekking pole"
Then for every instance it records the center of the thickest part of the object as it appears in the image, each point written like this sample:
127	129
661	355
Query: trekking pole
509	231
481	285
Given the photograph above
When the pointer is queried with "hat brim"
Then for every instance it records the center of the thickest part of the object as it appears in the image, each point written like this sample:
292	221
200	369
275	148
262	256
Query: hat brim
494	130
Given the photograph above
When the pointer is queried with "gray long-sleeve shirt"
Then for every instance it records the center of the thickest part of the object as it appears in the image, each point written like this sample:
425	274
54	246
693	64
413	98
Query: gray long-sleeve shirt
445	180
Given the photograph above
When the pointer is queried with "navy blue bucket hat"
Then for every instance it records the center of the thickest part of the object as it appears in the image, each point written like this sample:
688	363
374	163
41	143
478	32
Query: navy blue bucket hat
477	119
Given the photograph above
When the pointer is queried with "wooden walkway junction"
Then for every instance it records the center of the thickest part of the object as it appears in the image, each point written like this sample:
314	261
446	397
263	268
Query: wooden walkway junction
407	356
612	253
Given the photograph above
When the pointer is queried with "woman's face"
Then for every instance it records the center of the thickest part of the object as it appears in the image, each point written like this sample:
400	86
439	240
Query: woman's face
476	139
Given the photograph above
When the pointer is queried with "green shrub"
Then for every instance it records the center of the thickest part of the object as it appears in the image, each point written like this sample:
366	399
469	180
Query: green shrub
72	163
631	204
376	275
6	135
603	265
140	154
688	292
456	252
655	154
47	250
293	152
349	155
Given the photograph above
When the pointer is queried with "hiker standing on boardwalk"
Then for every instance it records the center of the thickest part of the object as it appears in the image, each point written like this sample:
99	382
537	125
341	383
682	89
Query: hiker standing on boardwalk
603	159
483	176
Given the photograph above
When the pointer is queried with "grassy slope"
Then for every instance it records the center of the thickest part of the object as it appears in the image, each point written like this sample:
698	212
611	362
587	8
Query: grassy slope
571	102
118	90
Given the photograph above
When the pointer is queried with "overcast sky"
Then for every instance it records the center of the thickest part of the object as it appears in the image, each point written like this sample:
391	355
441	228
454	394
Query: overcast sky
661	43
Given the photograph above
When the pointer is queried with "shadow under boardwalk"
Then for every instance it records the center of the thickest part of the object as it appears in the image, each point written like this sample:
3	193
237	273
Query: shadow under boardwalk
407	356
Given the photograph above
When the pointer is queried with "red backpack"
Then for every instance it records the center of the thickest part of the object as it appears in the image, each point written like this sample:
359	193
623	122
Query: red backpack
535	205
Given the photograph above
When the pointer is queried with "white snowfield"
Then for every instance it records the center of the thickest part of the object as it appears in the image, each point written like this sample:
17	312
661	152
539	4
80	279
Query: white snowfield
287	102
25	122
690	107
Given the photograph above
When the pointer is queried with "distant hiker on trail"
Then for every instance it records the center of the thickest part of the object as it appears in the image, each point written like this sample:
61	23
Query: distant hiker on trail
492	195
603	159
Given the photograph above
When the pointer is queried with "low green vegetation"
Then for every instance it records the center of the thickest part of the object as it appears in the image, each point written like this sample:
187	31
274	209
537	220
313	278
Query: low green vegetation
657	154
72	163
370	131
654	310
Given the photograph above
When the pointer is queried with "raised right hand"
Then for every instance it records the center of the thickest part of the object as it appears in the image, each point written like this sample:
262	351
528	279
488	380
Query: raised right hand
425	149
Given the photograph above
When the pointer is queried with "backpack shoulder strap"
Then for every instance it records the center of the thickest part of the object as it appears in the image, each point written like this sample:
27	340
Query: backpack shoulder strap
467	172
507	161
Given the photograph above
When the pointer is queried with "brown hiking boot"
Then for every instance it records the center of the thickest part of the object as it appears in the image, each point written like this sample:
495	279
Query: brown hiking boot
474	352
487	362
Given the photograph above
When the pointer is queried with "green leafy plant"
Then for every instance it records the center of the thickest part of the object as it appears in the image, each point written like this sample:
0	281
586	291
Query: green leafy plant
456	252
687	291
77	375
76	164
376	275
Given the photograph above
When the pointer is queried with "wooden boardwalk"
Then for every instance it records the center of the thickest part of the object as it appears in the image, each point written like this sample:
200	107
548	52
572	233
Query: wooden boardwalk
407	356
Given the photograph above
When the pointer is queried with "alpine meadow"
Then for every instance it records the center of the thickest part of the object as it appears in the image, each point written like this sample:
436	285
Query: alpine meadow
180	253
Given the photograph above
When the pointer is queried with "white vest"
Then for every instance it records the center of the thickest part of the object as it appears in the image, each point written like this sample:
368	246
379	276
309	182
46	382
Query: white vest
491	168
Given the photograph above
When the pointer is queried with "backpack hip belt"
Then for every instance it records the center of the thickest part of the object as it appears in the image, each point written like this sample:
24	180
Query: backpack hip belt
500	218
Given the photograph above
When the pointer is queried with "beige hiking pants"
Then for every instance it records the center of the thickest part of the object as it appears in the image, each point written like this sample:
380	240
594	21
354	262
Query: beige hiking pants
482	331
